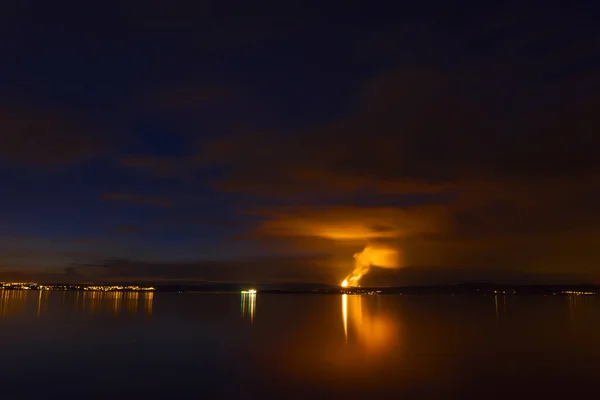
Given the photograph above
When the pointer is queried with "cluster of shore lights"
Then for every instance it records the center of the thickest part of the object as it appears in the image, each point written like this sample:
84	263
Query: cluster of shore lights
58	287
18	285
249	291
578	293
96	288
119	288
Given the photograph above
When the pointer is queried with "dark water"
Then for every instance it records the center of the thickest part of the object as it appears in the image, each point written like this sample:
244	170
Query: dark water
290	346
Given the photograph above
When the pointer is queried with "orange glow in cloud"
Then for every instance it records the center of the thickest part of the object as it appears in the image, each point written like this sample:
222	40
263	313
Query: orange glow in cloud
377	228
342	223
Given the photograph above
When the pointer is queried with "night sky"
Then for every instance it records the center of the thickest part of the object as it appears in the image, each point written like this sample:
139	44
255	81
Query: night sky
269	141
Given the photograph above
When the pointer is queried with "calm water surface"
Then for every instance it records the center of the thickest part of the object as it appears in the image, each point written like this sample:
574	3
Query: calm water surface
163	345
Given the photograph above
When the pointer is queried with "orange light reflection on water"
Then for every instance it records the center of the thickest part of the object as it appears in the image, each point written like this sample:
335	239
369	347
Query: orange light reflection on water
148	301
373	330
14	302
345	316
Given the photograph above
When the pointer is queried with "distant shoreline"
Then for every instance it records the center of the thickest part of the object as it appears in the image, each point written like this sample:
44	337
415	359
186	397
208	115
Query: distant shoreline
462	289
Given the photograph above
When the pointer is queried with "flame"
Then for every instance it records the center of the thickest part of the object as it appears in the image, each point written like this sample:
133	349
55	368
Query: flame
372	255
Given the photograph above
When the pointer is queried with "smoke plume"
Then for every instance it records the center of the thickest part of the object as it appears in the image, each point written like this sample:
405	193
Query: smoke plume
379	255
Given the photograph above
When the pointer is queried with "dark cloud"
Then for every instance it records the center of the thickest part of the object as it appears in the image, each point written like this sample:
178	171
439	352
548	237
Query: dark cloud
428	275
161	166
506	155
155	201
271	269
417	131
517	162
87	240
190	96
41	137
470	145
67	275
128	229
513	100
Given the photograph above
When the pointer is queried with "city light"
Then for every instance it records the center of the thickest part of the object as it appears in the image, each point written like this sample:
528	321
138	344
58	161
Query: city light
358	290
95	288
18	285
578	293
103	288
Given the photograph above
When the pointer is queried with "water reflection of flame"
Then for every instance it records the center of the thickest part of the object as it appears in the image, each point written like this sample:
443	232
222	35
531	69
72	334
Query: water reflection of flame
345	315
372	329
248	305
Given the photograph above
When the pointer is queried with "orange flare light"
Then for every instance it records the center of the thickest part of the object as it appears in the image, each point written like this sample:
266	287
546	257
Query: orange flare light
379	256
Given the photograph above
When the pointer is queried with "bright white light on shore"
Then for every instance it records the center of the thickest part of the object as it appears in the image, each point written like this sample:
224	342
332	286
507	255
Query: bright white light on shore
250	291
